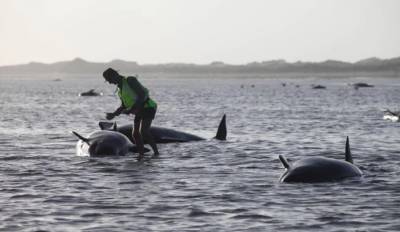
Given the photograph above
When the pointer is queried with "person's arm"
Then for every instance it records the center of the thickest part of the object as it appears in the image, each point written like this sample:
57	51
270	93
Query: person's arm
117	112
141	94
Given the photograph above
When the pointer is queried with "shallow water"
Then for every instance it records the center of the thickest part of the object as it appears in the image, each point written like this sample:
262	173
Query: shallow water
200	186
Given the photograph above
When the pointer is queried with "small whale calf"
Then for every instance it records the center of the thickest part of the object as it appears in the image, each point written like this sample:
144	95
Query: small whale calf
166	135
320	169
104	143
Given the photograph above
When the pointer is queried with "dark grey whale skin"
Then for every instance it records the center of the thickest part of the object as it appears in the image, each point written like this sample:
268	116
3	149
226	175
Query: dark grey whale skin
90	93
166	135
104	143
320	169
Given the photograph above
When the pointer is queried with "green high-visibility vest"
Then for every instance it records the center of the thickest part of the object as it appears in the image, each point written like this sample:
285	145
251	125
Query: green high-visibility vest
128	95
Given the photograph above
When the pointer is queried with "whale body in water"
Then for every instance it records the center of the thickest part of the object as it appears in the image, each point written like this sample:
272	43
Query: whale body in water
166	135
90	93
393	116
320	169
104	143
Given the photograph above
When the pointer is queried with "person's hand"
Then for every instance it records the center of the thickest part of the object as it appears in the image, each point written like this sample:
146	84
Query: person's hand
110	116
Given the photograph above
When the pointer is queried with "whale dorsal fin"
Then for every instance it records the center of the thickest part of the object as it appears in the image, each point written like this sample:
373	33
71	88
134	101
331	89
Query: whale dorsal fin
81	137
284	161
349	158
221	132
114	127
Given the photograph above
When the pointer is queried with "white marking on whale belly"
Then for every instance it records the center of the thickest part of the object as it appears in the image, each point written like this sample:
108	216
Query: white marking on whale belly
82	149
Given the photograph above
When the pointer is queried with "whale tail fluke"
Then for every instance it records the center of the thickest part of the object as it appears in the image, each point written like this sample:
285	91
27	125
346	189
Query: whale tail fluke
81	137
221	132
349	158
284	161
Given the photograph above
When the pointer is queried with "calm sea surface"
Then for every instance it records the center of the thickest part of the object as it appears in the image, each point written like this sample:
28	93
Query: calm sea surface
200	186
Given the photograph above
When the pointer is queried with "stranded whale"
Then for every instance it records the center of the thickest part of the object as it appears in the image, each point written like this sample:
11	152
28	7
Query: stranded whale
166	135
393	116
104	143
320	169
90	93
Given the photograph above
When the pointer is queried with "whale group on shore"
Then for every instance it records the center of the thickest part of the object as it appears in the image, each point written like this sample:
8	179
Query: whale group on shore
117	141
112	140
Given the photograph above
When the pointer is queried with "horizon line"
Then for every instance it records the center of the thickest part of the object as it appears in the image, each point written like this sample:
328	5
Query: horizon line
191	63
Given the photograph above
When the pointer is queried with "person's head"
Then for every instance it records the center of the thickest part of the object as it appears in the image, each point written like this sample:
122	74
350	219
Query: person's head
111	76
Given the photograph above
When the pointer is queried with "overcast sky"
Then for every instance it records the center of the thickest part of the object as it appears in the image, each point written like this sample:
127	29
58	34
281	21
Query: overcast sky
198	31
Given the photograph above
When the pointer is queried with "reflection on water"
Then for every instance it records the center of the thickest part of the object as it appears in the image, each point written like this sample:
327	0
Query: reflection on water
207	185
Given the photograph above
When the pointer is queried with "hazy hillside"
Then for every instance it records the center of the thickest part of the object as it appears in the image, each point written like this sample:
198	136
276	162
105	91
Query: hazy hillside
370	66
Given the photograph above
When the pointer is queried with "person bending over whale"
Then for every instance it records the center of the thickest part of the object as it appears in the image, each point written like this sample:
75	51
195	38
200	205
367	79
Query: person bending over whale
134	100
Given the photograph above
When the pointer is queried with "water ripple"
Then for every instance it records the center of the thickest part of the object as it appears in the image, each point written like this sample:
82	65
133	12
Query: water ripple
206	185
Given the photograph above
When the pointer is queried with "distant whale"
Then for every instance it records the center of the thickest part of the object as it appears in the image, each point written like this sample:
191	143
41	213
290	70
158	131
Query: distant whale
90	93
320	169
165	135
362	85
318	87
104	143
392	116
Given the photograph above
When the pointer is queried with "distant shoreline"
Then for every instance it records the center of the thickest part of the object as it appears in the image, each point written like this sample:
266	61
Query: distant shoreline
371	67
157	75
